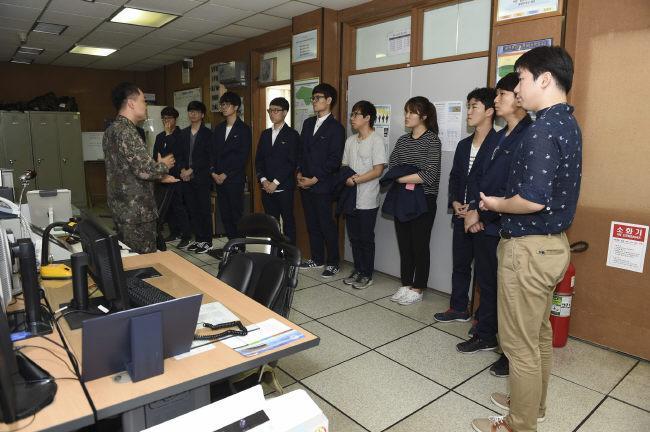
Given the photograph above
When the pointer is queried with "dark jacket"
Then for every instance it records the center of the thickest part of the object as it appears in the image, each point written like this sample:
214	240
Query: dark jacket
278	161
320	155
402	203
493	174
230	155
459	177
166	144
346	196
200	162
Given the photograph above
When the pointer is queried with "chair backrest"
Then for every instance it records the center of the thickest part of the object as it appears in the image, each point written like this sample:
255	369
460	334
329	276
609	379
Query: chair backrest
261	225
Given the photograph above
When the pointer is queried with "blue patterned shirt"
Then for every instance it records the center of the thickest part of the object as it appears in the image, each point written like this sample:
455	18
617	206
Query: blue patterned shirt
546	169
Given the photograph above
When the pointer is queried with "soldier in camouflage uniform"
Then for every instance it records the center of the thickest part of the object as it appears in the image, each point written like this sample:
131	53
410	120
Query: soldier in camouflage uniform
131	172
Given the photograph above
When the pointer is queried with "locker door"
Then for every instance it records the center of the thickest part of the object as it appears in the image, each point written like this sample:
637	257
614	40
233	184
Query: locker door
16	147
71	157
46	149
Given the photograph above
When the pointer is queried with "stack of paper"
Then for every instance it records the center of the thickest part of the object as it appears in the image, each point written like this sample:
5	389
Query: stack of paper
263	337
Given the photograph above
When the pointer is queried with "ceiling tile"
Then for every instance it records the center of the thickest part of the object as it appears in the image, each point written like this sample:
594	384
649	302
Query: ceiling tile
27	3
267	22
336	4
157	41
291	9
68	19
166	57
113	2
19	12
15	24
108	39
193	25
139	67
217	40
89	9
47	56
124	28
79	60
240	31
8	36
184	52
251	5
174	33
197	46
177	7
217	13
44	40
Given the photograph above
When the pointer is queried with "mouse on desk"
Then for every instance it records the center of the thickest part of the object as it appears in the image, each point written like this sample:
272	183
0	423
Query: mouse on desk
142	273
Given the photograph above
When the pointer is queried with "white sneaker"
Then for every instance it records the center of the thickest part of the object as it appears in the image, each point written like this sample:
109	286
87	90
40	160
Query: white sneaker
399	293
410	297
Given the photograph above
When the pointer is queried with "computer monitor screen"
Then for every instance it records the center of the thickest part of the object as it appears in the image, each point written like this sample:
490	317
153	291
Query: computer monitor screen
104	262
47	206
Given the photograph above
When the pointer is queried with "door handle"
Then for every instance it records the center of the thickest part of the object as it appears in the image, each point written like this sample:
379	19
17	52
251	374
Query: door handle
39	160
65	160
11	161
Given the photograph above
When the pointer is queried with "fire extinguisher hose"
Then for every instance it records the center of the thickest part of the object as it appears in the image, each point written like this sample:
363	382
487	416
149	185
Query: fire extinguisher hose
579	246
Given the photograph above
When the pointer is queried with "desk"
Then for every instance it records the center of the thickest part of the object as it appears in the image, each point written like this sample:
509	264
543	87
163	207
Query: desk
179	278
70	409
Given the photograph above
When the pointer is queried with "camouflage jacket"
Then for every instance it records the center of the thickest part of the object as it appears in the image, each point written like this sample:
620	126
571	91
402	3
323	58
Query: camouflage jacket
130	174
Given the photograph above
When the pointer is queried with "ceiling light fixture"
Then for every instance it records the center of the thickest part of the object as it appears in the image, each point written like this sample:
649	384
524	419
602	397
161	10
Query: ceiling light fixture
29	50
143	18
49	28
90	50
22	60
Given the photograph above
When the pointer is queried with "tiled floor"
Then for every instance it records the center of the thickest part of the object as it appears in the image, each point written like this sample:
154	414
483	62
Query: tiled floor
385	367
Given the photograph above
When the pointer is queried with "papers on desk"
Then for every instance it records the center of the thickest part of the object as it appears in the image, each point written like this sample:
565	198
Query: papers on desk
263	337
213	313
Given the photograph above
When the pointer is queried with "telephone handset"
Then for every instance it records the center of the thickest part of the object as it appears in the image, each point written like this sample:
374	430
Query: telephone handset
7	206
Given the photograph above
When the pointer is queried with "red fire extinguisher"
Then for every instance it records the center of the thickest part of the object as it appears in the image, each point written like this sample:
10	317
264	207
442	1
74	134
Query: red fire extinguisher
561	307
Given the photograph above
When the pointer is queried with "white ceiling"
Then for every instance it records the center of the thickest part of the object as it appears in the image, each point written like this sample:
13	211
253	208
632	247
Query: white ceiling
203	25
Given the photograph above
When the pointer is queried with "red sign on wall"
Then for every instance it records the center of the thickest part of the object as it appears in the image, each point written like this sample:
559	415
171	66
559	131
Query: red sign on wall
629	232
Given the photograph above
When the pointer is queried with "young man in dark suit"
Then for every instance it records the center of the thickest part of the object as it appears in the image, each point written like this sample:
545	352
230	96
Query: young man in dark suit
195	176
169	142
275	166
323	142
231	146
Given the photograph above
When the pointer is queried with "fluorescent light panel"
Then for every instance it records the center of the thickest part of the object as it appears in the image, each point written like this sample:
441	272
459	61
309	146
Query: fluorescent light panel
55	29
29	50
90	50
142	17
22	60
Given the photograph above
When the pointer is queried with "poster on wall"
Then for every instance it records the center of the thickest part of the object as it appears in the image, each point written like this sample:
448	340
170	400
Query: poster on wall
382	124
302	108
304	46
181	99
399	42
627	246
450	123
214	87
508	54
513	9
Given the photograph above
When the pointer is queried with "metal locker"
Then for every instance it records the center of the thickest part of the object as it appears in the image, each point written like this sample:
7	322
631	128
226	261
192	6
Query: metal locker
71	156
44	132
15	144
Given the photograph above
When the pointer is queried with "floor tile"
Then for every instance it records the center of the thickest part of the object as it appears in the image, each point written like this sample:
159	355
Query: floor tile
323	300
371	325
373	390
194	260
346	269
337	420
635	387
567	404
207	259
422	311
382	286
333	348
433	354
450	413
590	366
458	329
615	416
298	318
305	281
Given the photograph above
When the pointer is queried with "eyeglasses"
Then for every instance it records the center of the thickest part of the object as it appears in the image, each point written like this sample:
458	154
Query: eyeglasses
168	118
356	113
225	104
315	98
274	110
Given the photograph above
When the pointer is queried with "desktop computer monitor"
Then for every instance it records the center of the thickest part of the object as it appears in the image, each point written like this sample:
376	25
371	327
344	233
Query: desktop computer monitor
104	263
47	206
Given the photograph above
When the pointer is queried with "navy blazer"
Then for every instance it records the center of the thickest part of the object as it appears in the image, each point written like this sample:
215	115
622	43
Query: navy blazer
166	144
401	203
492	177
230	155
321	154
278	161
200	155
346	195
459	175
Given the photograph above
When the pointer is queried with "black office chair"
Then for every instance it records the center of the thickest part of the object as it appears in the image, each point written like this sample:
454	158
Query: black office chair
269	277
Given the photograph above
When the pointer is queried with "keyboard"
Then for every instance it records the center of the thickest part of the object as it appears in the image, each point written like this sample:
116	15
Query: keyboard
142	293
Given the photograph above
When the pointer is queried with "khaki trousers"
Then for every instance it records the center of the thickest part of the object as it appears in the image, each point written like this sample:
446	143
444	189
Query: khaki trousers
529	269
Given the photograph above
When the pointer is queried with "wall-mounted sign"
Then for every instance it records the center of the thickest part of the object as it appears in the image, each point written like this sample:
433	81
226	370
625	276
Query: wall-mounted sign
513	9
304	46
214	87
268	70
508	54
302	108
627	246
181	99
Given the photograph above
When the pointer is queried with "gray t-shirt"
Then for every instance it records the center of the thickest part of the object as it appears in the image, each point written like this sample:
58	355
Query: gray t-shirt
361	156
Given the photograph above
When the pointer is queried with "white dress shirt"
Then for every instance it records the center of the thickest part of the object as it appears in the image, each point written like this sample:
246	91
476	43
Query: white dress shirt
319	121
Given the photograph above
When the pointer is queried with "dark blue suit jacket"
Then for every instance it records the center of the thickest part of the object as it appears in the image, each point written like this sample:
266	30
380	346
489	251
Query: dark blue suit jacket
459	177
230	155
166	144
321	154
493	174
278	161
402	203
200	155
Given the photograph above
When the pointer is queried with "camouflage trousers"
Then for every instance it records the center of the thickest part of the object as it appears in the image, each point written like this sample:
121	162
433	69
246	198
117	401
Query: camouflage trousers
140	237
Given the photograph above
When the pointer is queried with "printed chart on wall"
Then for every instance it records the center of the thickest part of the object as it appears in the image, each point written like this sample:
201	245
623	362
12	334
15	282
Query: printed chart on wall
399	42
181	99
511	9
302	108
508	54
627	246
450	122
382	124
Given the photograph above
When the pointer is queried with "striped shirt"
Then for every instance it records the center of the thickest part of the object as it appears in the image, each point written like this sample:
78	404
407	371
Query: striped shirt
423	152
